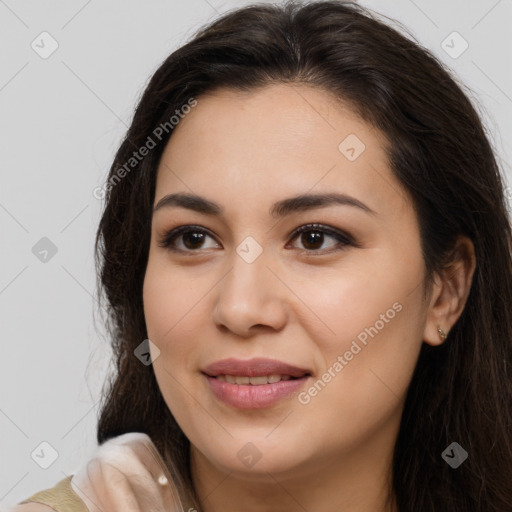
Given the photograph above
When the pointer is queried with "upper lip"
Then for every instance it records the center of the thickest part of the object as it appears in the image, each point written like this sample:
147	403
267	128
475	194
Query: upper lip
253	368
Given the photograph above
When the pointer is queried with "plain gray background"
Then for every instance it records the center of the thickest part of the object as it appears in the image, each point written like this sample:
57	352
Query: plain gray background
62	118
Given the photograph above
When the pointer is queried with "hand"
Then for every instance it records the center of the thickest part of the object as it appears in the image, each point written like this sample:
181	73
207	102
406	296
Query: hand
127	474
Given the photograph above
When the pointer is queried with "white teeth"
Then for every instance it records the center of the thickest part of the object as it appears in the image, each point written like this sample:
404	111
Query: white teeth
258	380
255	381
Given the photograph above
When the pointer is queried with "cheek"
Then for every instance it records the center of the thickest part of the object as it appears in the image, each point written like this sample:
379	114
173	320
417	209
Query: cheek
170	298
169	309
375	298
371	347
173	314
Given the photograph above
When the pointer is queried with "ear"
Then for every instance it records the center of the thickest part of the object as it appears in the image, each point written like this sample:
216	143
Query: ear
450	291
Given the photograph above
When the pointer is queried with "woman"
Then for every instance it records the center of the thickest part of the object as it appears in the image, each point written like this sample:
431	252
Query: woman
306	234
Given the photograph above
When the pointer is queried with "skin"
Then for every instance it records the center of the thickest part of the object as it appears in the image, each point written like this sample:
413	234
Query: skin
294	303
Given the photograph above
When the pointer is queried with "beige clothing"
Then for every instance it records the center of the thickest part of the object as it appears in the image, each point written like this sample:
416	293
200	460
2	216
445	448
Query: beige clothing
61	497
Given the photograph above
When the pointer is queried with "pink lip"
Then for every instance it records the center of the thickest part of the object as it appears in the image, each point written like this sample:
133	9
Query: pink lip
248	396
253	368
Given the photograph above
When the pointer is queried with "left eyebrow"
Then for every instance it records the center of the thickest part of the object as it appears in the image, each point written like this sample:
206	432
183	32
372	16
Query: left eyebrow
313	201
281	208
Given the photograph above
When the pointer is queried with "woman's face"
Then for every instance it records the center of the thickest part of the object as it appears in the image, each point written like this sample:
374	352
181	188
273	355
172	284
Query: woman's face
341	302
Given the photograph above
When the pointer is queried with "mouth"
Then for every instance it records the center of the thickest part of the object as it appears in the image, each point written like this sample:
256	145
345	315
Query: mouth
256	367
254	383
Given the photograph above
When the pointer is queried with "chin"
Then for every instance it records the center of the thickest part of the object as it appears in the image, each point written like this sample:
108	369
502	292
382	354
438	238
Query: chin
255	456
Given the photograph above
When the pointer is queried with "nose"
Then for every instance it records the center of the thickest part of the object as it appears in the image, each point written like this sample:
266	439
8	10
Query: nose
250	298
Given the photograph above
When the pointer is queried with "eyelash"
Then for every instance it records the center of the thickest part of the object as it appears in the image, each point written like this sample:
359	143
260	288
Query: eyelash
167	241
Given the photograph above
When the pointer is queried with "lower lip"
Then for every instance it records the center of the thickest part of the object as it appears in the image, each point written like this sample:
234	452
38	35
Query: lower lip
247	396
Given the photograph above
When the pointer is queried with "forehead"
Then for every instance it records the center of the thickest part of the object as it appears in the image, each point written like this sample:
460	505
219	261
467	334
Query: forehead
277	141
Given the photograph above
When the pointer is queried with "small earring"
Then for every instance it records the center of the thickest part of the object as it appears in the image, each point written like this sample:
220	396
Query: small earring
162	480
442	334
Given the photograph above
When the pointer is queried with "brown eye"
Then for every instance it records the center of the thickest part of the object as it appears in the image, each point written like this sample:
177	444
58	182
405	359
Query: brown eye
313	237
192	239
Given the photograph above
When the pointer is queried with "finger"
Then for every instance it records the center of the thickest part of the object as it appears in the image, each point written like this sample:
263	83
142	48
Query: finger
152	486
88	485
104	488
149	493
104	472
151	461
119	495
135	456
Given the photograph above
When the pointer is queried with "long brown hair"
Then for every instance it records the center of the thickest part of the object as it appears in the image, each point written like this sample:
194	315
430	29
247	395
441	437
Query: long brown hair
461	391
